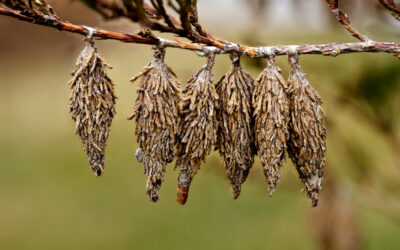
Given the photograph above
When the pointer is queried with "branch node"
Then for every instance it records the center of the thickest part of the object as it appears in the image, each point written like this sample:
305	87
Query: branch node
269	51
234	47
368	43
293	50
89	33
162	43
209	51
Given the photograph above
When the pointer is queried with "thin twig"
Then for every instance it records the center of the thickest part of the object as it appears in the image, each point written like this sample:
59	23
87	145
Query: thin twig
391	6
164	13
344	20
332	49
173	6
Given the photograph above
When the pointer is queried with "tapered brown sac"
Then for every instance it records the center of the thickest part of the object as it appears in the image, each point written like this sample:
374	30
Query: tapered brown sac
157	118
197	125
92	105
307	141
271	115
235	138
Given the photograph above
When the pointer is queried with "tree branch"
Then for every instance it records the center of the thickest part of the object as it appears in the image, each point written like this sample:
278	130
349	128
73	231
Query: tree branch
51	21
147	38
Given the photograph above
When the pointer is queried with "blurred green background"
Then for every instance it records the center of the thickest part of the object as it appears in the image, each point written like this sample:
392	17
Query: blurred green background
49	198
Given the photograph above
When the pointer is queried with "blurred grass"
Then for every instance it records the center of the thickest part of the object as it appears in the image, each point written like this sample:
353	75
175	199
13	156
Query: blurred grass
51	200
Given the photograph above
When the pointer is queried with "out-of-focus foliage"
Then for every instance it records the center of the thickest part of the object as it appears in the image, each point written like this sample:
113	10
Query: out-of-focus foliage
378	89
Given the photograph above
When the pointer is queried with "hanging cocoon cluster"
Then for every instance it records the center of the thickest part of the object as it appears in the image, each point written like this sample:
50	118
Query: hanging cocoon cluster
270	117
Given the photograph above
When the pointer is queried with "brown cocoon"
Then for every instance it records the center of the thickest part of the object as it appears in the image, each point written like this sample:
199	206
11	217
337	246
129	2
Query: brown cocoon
235	138
156	116
271	114
197	125
92	105
307	141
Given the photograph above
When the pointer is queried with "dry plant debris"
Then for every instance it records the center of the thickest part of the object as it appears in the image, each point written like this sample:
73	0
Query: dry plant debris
92	105
156	116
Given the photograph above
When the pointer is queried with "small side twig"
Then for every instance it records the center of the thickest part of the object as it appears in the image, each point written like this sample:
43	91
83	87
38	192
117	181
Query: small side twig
391	6
164	14
344	20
